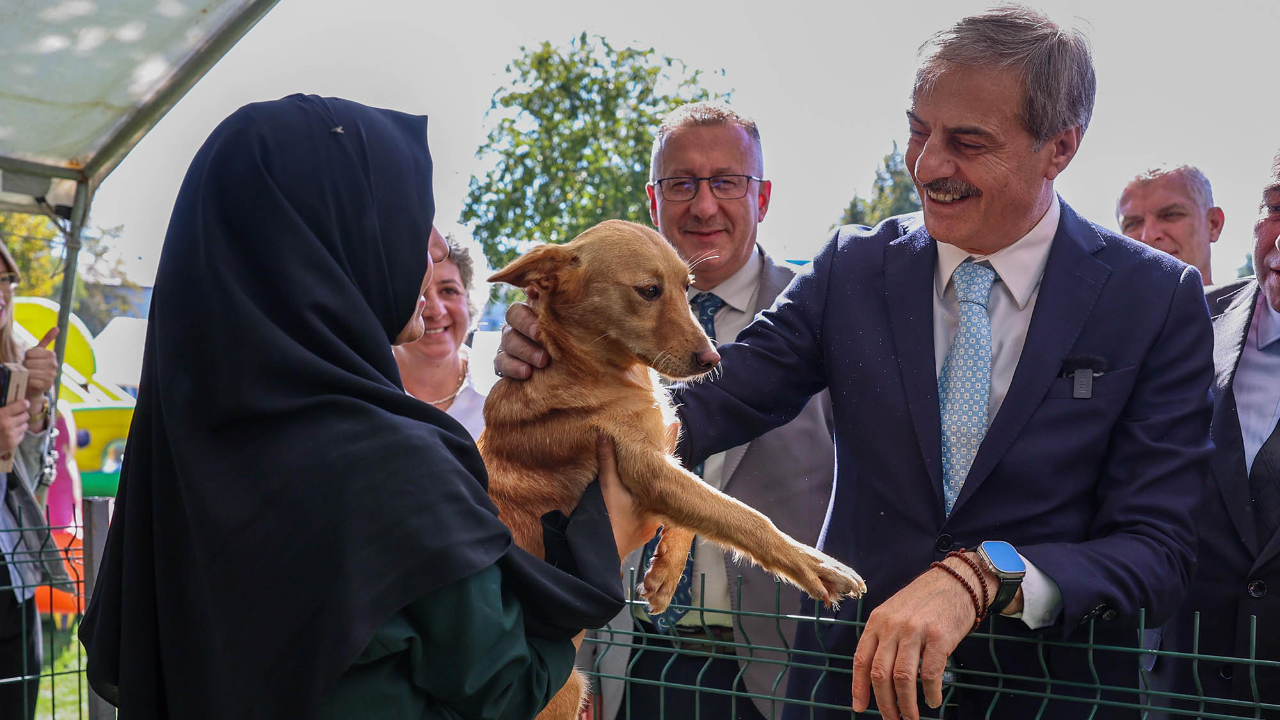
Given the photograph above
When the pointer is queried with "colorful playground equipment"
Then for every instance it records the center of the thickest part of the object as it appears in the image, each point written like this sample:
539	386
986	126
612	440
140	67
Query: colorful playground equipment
93	425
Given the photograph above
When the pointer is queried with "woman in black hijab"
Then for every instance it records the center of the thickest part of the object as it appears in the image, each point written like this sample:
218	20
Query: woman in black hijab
291	527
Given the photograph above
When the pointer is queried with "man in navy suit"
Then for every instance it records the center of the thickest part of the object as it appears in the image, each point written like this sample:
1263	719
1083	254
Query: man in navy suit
1236	589
1005	374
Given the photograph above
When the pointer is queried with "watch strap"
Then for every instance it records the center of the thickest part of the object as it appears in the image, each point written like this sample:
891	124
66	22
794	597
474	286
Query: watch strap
1004	595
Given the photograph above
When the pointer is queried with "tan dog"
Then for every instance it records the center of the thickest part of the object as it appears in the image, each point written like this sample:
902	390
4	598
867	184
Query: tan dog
611	305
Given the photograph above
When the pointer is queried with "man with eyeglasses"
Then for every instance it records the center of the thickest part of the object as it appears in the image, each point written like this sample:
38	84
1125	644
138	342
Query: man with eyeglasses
707	197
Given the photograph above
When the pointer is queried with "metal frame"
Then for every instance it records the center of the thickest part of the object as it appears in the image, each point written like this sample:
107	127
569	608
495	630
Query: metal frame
118	145
123	138
1005	682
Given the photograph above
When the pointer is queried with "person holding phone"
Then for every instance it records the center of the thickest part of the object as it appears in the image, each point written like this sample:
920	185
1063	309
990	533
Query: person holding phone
28	557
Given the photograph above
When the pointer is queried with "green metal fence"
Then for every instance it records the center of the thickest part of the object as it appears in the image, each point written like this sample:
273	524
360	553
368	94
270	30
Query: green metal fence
777	652
63	693
59	687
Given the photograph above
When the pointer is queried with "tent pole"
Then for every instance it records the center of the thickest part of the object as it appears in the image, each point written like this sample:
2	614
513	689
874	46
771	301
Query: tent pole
79	212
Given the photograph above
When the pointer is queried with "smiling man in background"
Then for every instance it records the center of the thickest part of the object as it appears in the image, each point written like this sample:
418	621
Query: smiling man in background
1171	208
707	198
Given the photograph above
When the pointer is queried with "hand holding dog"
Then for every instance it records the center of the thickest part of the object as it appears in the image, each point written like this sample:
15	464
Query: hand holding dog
916	629
632	528
518	353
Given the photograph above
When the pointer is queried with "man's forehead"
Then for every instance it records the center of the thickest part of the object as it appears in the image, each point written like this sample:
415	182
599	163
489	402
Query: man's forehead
972	93
720	137
1166	190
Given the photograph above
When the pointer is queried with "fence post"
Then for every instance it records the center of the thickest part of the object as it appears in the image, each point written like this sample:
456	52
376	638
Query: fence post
97	518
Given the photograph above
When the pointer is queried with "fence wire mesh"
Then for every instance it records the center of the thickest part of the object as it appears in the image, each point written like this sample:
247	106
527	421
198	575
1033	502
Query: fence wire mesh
41	661
56	681
998	684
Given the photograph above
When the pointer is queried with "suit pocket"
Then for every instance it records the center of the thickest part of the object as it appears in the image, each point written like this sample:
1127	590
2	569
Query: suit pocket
1114	382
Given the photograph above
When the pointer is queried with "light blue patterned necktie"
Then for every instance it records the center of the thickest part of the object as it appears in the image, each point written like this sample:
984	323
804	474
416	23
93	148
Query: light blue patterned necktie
964	386
705	306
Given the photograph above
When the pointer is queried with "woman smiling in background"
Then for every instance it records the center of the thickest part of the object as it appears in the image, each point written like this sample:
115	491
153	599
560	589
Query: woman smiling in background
435	369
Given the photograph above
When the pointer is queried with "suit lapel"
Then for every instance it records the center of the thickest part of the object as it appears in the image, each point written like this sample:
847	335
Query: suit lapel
909	267
1231	320
1070	287
773	280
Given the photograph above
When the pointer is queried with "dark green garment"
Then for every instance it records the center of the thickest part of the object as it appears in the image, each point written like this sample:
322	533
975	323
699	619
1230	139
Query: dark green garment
460	653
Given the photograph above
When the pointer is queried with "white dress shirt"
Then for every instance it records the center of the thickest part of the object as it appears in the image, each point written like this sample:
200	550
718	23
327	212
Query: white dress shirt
1257	382
739	292
468	407
1019	268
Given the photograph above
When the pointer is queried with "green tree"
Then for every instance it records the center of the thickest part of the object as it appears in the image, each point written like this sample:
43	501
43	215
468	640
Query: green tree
892	193
38	248
1247	269
572	146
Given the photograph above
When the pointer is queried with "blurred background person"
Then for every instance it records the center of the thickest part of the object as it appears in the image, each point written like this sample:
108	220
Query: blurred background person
1229	610
1170	208
27	556
436	369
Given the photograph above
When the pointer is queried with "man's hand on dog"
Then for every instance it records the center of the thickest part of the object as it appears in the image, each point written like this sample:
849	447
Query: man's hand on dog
915	630
632	528
519	353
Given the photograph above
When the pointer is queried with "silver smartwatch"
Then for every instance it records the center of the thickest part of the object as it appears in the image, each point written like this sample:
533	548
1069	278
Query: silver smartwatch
1004	562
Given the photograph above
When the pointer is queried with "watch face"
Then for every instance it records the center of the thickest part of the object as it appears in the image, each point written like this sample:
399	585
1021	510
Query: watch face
1003	557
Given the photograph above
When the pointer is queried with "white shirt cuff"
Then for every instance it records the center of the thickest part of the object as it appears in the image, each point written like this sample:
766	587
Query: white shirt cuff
1041	598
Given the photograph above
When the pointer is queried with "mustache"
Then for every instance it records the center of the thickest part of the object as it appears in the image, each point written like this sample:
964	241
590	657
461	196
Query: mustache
950	186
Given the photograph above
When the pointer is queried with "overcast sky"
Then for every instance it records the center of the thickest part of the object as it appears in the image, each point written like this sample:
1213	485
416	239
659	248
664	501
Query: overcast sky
827	83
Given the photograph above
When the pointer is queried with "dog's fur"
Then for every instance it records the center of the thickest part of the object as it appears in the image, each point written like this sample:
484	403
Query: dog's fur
603	335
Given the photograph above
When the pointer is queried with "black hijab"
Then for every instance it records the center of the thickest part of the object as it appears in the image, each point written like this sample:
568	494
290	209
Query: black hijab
281	495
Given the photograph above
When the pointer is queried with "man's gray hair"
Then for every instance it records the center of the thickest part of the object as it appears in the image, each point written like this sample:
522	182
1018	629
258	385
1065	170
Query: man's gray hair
1055	63
1197	183
707	113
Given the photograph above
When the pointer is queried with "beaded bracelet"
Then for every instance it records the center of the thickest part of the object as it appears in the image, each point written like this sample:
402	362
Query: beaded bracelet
979	609
962	553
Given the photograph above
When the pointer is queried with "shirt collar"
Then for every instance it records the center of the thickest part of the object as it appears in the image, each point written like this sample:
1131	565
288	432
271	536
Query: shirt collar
739	289
1019	266
1268	321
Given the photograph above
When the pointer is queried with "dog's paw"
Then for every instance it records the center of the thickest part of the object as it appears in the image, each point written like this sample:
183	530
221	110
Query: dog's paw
839	582
659	585
830	580
661	580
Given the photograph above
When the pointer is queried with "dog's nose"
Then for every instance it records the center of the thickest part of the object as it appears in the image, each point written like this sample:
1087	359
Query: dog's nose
706	359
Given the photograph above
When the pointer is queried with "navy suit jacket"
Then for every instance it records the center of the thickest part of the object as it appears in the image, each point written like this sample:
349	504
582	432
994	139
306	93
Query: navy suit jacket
1238	577
1097	492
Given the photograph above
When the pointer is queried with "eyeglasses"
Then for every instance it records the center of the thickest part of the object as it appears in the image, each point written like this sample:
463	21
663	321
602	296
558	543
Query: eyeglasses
439	250
725	187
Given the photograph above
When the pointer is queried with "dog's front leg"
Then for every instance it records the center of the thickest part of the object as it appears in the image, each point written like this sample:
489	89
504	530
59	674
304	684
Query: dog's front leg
663	574
661	486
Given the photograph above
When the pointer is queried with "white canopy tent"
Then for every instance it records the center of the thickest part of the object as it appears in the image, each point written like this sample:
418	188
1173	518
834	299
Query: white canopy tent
83	82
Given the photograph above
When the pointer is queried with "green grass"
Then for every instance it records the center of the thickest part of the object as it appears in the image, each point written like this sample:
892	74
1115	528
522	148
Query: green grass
64	693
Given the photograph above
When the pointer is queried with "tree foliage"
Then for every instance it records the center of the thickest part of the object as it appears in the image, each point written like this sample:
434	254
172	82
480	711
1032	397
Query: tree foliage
1246	269
37	247
892	193
572	146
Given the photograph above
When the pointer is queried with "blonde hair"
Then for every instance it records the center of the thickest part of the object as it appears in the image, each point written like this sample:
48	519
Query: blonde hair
10	349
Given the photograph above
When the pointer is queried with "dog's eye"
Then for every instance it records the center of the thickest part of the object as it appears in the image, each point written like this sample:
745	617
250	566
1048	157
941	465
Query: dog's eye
650	292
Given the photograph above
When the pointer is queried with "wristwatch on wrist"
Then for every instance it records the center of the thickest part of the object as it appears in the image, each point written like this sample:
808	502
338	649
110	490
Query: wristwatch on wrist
1004	562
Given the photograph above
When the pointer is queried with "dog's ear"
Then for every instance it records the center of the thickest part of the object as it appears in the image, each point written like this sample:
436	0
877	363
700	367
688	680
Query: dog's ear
542	268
